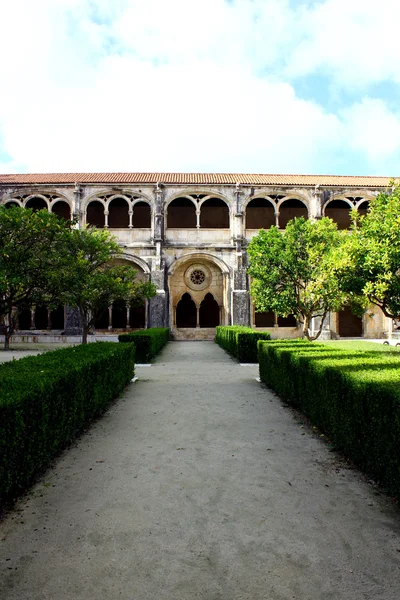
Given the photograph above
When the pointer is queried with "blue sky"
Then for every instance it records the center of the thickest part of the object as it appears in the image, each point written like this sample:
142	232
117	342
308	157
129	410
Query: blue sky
262	86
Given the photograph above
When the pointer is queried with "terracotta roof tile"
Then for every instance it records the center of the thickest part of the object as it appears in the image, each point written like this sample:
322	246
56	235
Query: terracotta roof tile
194	178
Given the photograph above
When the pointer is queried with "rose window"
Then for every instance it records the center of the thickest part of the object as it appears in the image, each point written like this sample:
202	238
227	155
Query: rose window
197	277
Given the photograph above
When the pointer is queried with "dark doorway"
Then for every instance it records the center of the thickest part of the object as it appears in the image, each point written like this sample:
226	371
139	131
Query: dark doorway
260	214
363	208
119	314
141	215
118	214
95	214
36	204
214	214
102	320
291	209
209	312
24	319
10	204
181	214
137	317
62	210
57	318
41	317
349	325
289	321
265	319
339	212
186	313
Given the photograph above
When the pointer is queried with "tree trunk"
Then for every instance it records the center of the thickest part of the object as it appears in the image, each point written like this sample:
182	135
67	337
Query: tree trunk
85	327
306	328
7	337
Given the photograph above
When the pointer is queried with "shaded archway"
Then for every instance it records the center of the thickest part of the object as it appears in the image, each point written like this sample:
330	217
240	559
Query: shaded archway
95	214
41	317
209	312
103	318
24	319
264	319
186	313
62	210
339	212
10	204
181	214
260	214
119	314
363	208
36	204
289	321
349	325
57	318
290	209
141	215
214	214
137	316
118	214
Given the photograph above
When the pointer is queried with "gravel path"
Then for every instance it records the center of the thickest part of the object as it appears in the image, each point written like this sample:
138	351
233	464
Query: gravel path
200	483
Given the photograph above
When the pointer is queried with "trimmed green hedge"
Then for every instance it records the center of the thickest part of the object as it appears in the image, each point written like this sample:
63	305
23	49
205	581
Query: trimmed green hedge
350	391
148	342
240	341
46	400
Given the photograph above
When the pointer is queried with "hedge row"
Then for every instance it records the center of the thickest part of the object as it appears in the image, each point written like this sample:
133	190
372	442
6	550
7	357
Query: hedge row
46	400
240	341
148	342
352	395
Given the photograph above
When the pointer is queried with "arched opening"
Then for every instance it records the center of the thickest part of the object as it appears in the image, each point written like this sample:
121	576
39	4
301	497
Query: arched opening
260	214
36	204
363	208
41	317
186	313
290	209
62	210
57	318
118	319
349	325
137	316
181	214
141	215
214	214
118	214
95	214
209	312
264	319
24	319
102	319
289	321
339	212
10	204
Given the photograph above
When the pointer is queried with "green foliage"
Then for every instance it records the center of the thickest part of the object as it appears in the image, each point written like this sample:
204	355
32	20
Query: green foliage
369	261
148	342
292	271
31	244
241	342
351	392
91	282
47	400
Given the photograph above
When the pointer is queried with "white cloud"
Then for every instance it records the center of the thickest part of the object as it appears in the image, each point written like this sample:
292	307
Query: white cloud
375	131
100	85
353	42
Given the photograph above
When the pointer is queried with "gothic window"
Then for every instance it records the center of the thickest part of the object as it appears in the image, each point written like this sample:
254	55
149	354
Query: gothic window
260	214
290	209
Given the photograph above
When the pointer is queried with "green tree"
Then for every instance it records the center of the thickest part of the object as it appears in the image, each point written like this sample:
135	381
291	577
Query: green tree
30	258
292	271
91	282
369	261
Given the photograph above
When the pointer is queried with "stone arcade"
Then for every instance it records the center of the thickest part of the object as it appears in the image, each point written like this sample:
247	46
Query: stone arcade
188	233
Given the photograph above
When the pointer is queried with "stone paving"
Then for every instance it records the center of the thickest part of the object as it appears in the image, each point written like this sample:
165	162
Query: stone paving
200	483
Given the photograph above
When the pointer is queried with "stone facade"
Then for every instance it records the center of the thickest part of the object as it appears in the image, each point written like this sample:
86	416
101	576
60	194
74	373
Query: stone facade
190	239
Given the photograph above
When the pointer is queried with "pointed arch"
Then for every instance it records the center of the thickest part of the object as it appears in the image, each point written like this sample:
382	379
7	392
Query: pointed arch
209	312
186	312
